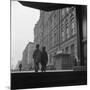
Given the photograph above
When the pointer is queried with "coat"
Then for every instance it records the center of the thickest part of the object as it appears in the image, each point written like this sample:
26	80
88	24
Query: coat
37	56
44	58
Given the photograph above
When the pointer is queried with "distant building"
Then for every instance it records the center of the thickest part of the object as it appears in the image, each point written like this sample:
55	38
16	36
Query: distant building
31	48
27	60
17	66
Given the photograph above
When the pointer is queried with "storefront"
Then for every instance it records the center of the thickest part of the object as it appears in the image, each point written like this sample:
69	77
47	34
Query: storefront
63	61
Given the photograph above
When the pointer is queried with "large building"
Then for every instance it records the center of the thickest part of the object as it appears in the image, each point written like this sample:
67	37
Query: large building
58	31
27	60
68	31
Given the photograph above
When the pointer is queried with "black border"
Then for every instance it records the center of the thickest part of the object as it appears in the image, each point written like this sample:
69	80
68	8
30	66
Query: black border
49	79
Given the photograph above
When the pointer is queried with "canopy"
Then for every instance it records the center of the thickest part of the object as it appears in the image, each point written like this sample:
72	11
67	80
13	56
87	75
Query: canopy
45	6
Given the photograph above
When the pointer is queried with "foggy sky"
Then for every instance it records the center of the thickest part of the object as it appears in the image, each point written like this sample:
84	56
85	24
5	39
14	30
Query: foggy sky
23	20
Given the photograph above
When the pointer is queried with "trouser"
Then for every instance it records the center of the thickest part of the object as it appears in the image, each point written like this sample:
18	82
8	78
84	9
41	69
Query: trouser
19	68
36	67
43	67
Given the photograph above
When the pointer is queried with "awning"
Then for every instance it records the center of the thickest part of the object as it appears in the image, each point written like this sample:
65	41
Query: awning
45	6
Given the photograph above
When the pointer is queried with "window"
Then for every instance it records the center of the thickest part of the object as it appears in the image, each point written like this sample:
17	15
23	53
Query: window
52	39
63	30
73	49
63	36
67	10
73	28
55	19
67	31
50	58
62	50
67	50
63	13
55	38
50	19
67	28
73	21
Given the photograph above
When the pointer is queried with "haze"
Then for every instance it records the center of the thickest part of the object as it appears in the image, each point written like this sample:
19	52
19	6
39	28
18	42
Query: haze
23	20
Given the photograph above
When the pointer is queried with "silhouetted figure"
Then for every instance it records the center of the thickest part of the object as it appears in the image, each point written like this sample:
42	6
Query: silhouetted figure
75	62
20	67
44	59
37	57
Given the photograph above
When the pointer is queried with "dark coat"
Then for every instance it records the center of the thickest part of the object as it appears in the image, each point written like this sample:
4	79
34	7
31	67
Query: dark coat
37	56
20	66
44	58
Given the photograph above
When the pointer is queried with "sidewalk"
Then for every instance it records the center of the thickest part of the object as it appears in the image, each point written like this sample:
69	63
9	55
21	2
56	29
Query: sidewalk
41	72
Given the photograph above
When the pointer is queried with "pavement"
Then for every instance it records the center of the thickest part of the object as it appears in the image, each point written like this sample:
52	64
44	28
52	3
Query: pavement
41	72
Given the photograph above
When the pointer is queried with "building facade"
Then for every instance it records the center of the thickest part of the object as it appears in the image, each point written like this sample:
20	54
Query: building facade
57	32
68	31
27	59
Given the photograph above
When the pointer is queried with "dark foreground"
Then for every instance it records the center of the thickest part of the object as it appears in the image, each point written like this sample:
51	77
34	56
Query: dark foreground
48	79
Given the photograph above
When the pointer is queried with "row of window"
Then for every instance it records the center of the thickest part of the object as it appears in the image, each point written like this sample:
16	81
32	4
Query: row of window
68	26
52	20
50	40
66	11
69	49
